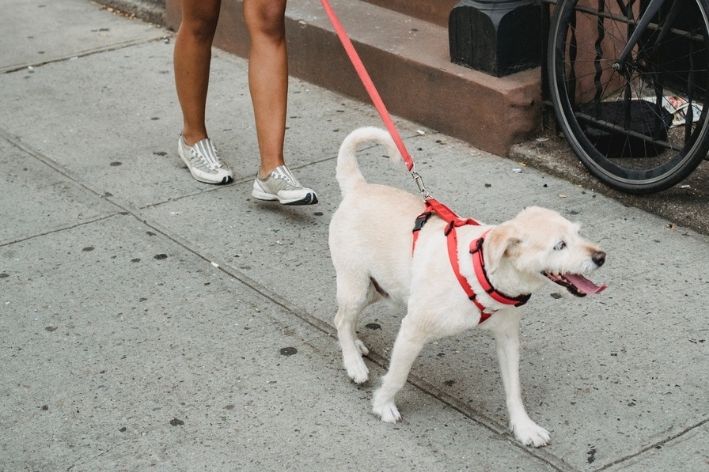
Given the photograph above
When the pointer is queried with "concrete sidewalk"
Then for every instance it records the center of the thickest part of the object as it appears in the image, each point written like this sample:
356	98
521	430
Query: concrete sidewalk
149	322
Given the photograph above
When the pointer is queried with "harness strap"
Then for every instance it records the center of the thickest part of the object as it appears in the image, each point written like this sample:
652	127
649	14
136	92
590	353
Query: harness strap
453	221
452	239
446	214
420	221
433	206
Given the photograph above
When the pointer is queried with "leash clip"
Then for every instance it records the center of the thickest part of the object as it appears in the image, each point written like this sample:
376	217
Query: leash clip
419	183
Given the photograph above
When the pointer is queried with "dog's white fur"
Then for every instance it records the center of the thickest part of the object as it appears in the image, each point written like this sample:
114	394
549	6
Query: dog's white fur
370	243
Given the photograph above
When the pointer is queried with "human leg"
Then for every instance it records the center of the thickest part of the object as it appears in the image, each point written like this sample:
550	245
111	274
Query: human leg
192	57
268	83
268	77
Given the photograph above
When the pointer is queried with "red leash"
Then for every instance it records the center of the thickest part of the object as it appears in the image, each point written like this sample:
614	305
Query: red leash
368	85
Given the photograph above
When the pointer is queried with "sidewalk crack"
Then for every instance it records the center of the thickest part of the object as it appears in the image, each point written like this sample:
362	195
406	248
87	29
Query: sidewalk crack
84	53
654	445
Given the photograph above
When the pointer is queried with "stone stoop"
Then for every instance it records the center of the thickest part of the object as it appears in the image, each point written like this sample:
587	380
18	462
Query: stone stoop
408	59
433	11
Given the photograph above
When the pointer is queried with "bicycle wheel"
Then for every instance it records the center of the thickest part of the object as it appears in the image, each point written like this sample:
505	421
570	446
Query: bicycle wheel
642	126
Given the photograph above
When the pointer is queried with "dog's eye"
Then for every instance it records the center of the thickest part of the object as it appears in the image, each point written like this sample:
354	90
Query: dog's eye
560	245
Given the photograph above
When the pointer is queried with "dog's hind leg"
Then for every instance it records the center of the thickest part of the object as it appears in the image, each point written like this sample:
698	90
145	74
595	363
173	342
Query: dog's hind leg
507	337
407	347
353	295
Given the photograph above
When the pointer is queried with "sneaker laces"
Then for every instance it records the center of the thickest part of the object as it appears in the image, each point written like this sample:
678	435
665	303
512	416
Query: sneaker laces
207	153
283	173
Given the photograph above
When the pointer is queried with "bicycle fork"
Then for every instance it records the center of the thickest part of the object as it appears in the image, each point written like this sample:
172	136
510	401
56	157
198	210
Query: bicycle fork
652	8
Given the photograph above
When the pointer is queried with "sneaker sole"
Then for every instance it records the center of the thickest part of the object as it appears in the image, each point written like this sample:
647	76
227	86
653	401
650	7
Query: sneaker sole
225	180
309	199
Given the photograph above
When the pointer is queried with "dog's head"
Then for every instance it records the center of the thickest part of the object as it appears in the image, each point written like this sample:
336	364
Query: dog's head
540	244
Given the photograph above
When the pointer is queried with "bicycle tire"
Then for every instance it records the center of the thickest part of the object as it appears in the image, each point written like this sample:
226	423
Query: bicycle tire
591	136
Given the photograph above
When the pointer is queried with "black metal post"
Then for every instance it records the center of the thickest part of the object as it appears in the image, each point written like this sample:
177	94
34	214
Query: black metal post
498	37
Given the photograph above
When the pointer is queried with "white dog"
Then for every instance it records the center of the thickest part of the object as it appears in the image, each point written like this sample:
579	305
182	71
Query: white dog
371	246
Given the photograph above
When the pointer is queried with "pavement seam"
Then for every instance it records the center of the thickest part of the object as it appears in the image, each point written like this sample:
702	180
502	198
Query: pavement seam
245	180
235	182
59	229
654	445
87	52
16	142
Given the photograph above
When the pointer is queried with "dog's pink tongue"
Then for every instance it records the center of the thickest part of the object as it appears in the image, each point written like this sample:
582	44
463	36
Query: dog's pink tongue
584	285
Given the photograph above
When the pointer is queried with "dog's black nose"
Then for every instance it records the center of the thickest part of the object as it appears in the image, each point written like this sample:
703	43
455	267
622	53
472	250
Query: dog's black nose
598	257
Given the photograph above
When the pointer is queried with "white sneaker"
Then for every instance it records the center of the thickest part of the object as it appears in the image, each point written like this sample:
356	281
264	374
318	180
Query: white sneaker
203	162
281	185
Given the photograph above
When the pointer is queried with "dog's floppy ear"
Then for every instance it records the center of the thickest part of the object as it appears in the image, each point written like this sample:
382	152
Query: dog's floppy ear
503	241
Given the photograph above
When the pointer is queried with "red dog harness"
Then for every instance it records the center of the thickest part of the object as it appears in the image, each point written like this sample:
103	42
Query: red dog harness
434	207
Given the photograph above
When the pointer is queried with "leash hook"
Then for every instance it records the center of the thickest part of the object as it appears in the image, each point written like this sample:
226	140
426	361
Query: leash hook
418	180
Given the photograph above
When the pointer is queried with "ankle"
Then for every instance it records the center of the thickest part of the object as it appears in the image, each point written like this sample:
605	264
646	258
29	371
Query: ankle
192	137
265	171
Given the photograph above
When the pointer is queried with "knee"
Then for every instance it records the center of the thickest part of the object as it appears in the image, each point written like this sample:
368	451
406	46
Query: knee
199	29
268	21
414	332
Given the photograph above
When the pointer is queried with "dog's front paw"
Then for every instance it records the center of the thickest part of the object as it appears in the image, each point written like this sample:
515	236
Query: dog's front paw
530	433
356	369
387	412
385	408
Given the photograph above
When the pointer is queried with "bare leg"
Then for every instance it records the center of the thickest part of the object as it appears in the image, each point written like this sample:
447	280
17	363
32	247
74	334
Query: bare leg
268	77
192	57
407	347
524	429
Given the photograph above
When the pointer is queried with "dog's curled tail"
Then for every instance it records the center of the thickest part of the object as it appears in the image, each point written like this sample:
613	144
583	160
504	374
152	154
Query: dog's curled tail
348	173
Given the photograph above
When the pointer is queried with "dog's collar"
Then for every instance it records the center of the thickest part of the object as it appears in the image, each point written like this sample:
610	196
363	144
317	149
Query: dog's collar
476	250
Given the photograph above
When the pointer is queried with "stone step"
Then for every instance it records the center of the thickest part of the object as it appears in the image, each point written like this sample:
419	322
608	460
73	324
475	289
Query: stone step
408	59
435	11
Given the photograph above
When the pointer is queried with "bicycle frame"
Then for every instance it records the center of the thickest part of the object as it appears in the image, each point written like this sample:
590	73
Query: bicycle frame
652	8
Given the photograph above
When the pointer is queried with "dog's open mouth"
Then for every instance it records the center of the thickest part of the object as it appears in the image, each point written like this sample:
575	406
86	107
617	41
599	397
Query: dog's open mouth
576	284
